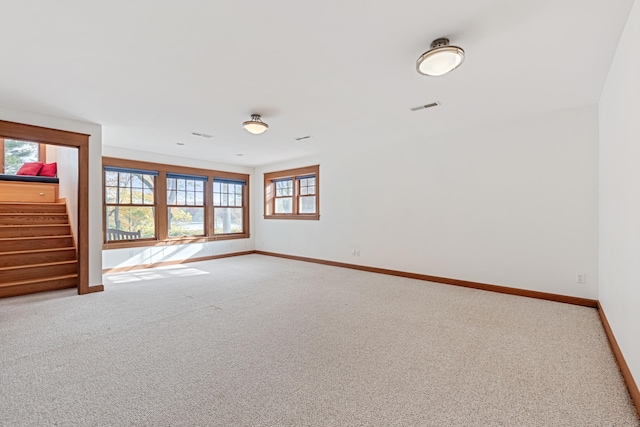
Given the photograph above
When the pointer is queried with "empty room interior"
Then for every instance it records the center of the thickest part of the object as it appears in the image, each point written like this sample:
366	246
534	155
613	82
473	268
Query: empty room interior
320	214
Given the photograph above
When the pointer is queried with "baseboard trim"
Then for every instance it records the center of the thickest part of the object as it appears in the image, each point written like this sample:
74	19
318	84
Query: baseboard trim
634	392
167	263
467	284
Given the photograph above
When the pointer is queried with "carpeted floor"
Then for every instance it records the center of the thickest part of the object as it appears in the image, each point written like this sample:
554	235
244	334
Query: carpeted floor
261	341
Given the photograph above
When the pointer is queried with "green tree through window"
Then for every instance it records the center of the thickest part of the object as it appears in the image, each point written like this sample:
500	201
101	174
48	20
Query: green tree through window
18	152
130	204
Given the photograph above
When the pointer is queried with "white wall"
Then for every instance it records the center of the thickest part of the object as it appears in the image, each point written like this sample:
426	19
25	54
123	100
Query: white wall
51	153
513	204
95	175
620	194
112	258
67	159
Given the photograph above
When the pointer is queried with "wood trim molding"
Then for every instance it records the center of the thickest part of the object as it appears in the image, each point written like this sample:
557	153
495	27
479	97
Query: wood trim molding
292	172
162	167
2	154
166	263
467	284
73	233
634	392
119	244
42	134
81	142
42	153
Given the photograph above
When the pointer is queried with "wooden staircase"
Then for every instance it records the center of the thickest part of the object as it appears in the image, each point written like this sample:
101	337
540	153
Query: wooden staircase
37	251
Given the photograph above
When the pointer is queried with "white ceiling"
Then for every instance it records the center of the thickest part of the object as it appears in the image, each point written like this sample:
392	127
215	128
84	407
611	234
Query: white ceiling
151	72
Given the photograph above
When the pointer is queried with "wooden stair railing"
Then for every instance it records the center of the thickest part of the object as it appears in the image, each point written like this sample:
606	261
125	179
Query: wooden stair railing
37	251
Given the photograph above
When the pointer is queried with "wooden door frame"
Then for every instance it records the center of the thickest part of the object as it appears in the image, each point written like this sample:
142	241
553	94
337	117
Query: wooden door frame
79	141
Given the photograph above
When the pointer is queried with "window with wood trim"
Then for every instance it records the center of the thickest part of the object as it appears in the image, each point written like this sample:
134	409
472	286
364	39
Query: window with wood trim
228	205
185	201
292	194
173	204
130	203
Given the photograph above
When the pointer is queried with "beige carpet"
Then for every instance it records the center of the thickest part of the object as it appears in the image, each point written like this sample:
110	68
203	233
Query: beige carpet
261	341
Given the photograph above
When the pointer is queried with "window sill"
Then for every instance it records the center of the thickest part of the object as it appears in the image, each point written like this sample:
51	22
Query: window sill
172	241
315	217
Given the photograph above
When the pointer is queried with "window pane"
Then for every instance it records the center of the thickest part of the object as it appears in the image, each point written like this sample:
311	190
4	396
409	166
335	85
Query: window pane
148	196
216	187
181	198
125	179
181	184
191	198
136	180
239	200
18	152
284	205
225	199
172	196
199	199
199	186
124	222
136	196
186	222
311	189
228	220
125	196
111	179
111	195
171	184
216	199
308	204
284	188
303	191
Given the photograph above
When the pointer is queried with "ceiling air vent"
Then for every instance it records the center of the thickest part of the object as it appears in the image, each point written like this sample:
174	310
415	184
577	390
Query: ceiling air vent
201	135
423	107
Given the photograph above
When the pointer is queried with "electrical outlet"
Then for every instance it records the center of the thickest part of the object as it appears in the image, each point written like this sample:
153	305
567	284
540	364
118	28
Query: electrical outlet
580	278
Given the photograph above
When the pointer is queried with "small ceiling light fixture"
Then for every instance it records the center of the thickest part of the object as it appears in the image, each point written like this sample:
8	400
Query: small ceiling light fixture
440	59
255	126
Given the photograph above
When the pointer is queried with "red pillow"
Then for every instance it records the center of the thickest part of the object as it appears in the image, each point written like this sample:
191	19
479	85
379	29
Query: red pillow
49	169
30	168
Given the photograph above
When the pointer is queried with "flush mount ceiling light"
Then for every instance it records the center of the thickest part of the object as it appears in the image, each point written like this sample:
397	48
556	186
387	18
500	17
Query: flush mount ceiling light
440	59
255	126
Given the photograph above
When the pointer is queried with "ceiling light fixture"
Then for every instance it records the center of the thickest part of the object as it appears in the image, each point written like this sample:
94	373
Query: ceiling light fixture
255	126
440	59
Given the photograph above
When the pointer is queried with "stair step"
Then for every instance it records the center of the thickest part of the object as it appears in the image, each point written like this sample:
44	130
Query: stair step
32	218
40	256
34	230
23	287
33	208
37	271
13	244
